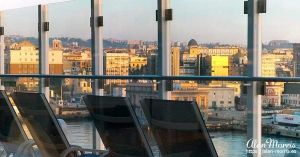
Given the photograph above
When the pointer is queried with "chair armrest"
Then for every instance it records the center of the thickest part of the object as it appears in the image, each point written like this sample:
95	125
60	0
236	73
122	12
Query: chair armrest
82	151
101	153
25	146
71	149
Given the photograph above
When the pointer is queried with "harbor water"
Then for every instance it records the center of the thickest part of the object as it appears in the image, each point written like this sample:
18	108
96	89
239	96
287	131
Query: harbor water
227	144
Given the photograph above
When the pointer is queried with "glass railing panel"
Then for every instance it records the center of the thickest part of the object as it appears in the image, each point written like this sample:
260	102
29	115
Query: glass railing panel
224	110
70	38
209	38
220	107
21	46
130	37
280	49
204	109
280	119
21	41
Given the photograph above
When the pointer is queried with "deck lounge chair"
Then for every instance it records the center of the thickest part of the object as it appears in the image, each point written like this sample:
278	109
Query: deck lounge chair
45	129
12	134
178	128
118	126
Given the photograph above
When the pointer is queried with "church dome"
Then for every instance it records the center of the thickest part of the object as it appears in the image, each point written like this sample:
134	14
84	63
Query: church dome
192	43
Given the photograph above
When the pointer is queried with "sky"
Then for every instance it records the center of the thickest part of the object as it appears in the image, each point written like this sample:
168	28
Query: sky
12	4
207	21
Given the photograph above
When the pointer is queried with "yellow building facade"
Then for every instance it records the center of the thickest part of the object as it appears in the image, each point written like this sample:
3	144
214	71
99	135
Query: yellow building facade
219	66
23	58
137	62
175	63
117	64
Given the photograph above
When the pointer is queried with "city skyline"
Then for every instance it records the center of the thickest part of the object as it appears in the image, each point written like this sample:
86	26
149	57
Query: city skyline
124	21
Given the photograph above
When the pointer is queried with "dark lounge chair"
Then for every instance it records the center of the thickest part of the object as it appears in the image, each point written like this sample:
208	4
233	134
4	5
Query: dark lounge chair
178	128
45	129
118	126
12	135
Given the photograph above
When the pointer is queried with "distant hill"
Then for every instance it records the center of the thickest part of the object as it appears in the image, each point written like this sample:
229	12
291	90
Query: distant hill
274	44
69	41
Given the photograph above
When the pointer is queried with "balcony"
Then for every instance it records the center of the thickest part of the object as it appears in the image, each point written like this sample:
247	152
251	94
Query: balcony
176	78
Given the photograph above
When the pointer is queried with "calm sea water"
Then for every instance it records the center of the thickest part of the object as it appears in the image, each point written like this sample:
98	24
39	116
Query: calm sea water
233	144
228	144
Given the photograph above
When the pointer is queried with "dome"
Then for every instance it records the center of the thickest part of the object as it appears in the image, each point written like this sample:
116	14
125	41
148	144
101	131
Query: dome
192	43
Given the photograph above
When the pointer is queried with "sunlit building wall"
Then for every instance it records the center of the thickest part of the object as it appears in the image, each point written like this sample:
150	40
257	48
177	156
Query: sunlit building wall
137	62
77	62
269	65
116	64
221	97
194	51
84	86
175	63
199	95
23	58
273	94
220	51
219	66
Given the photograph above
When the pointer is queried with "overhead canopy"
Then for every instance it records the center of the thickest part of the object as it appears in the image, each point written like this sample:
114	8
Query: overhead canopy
13	4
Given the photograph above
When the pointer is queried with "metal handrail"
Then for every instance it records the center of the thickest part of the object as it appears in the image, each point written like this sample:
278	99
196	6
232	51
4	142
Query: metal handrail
157	77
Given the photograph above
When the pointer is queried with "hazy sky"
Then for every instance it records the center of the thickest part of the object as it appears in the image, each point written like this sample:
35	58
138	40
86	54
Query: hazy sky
12	4
204	20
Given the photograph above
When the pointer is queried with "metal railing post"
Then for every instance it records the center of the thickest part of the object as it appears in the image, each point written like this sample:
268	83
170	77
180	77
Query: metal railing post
2	47
97	44
43	49
254	108
97	57
164	47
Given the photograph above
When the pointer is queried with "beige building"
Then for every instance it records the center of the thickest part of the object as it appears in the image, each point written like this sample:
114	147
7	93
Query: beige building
200	95
206	97
221	97
83	86
137	62
195	50
77	62
269	64
23	58
235	85
270	61
175	62
116	64
219	51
